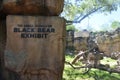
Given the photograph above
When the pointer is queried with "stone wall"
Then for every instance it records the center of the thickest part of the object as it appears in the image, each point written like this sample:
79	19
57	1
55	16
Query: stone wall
109	42
106	42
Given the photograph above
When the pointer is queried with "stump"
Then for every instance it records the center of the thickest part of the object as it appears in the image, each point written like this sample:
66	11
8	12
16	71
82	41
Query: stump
33	7
35	47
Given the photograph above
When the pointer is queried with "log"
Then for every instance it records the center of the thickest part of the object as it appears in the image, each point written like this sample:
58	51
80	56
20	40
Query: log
33	7
35	47
100	67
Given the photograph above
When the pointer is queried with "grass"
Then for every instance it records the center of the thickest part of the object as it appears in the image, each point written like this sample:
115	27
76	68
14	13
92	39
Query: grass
94	74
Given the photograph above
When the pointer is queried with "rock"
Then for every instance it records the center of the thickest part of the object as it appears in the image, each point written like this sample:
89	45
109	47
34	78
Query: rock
30	52
33	7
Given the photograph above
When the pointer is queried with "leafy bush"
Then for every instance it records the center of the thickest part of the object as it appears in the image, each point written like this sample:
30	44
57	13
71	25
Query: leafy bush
94	74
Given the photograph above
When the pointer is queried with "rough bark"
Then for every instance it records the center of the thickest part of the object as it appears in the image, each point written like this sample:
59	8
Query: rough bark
33	7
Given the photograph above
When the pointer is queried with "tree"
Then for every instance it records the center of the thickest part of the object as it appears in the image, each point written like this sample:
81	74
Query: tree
77	10
71	27
115	24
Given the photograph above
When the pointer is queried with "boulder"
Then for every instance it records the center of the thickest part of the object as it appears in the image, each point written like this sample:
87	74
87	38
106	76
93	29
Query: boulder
35	47
33	7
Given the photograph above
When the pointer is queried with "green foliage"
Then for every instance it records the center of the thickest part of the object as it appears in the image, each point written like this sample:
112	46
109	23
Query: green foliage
94	74
115	24
71	27
83	8
110	61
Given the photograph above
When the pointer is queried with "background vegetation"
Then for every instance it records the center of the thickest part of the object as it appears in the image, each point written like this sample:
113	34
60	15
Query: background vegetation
94	74
75	11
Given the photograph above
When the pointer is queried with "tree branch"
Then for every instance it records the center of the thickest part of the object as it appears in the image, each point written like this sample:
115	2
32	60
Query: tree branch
74	67
100	67
89	13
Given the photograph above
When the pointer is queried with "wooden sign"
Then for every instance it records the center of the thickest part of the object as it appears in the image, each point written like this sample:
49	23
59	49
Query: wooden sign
35	47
